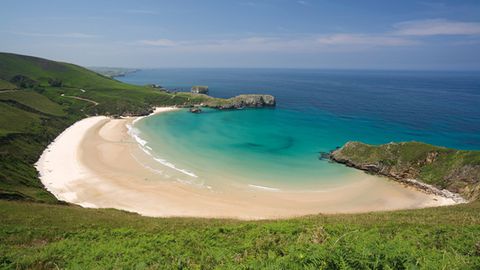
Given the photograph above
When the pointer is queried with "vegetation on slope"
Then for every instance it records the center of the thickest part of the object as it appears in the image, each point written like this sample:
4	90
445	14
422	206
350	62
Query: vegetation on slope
49	236
6	85
455	170
44	71
9	121
31	100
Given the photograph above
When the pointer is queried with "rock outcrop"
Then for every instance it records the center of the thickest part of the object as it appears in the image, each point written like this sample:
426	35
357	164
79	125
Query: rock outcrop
195	110
244	101
441	171
199	89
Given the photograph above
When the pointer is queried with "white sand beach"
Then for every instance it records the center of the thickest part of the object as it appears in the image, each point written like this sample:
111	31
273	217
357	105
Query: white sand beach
96	163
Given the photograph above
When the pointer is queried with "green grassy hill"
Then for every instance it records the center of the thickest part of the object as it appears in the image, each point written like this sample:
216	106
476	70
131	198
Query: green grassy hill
42	70
52	79
38	100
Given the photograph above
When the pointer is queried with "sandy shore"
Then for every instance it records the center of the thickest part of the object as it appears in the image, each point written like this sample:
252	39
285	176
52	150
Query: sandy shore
96	163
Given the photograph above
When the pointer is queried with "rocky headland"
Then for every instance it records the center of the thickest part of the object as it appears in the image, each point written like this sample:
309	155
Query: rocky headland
243	101
442	171
113	72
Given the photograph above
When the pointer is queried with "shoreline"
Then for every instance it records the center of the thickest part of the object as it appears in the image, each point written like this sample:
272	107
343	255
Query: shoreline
96	163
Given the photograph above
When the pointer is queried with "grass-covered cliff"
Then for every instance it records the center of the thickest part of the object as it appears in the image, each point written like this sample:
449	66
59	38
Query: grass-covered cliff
455	170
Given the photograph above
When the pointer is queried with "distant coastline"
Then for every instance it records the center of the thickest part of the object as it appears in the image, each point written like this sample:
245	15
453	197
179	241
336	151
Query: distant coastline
113	72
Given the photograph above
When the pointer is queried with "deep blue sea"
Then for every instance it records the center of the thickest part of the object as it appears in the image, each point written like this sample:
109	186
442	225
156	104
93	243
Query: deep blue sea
317	110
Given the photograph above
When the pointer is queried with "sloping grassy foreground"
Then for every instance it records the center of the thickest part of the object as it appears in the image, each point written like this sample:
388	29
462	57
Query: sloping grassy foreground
51	236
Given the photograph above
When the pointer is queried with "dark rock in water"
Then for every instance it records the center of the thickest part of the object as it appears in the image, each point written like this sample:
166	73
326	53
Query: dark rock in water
195	110
324	156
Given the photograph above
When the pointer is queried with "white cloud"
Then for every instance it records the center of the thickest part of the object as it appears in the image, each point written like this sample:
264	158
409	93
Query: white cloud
436	27
301	2
364	39
313	43
227	45
163	42
403	34
78	35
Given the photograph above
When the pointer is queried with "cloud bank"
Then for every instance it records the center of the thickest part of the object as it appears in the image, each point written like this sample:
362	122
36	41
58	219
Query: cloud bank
435	27
407	33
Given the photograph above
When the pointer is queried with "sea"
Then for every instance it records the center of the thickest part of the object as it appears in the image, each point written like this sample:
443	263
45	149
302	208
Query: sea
317	111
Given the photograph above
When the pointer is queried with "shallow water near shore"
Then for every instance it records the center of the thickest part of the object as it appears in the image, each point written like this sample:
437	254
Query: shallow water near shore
317	111
257	147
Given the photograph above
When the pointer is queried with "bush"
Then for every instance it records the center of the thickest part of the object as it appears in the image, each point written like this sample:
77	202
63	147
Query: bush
23	81
55	82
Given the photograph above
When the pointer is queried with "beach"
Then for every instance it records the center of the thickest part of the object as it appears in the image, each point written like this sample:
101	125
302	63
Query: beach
97	163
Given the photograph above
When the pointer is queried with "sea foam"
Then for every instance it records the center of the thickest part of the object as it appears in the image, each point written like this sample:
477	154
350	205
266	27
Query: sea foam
135	134
264	188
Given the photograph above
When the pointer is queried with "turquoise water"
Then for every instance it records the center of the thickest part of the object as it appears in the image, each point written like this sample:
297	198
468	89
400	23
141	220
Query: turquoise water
256	146
317	111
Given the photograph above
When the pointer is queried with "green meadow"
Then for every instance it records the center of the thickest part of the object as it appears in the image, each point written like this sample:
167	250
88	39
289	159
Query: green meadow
57	236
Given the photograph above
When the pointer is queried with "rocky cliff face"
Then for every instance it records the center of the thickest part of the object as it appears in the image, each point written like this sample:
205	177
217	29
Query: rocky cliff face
199	89
437	170
243	101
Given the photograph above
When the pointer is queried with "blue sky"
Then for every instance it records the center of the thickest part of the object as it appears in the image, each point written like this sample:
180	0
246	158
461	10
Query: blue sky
366	34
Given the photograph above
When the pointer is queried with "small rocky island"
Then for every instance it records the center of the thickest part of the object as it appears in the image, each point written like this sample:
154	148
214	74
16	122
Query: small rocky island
238	102
246	101
199	89
446	172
